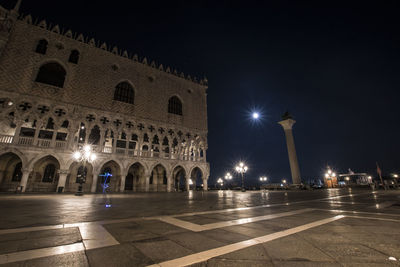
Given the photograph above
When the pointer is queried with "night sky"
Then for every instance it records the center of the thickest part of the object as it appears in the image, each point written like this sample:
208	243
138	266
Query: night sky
333	65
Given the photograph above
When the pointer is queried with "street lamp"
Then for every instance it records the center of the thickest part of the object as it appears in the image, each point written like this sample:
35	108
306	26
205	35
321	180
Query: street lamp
221	182
263	179
228	176
83	154
241	168
329	175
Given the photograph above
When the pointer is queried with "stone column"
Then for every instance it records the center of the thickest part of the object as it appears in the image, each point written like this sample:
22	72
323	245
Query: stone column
24	180
169	182
62	179
287	124
17	132
205	184
187	183
147	179
53	139
122	185
37	130
94	182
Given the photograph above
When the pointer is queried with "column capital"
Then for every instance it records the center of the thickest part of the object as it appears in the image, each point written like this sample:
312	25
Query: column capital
287	124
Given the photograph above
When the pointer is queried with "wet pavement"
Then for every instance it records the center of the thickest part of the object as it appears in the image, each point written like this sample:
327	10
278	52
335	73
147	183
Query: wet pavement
338	227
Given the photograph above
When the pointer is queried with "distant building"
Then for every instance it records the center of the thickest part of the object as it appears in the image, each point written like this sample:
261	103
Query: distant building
352	178
60	90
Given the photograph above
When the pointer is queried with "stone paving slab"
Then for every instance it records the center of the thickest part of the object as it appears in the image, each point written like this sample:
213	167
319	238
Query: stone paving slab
40	239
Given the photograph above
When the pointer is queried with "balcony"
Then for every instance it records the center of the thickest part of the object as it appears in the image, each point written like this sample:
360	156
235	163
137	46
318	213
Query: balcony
26	141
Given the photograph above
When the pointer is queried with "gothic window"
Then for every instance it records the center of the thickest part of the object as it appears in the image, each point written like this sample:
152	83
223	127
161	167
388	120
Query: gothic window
94	136
52	74
134	137
145	148
155	140
74	56
124	93
41	46
165	141
49	173
17	175
175	106
50	123
81	174
145	138
65	124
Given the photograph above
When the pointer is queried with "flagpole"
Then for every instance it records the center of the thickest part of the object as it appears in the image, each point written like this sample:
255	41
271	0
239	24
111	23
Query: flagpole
379	171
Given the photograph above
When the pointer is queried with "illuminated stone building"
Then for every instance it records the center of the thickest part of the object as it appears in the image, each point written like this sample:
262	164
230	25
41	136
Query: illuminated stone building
60	90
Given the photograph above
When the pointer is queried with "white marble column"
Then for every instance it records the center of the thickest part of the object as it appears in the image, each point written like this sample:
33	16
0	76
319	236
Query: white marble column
287	125
24	180
169	182
123	178
147	179
187	185
62	179
94	181
205	184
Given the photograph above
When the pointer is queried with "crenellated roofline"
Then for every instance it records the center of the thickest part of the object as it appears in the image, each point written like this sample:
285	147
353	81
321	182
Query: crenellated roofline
114	50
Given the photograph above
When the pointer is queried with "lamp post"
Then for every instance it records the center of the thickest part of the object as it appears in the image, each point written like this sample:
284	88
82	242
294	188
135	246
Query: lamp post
329	175
263	179
83	154
228	177
241	168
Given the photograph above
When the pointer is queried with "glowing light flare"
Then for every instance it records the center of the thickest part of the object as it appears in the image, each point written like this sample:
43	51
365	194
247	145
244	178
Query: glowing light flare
255	115
77	155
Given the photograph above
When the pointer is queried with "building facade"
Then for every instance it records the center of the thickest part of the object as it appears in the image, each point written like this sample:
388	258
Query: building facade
60	91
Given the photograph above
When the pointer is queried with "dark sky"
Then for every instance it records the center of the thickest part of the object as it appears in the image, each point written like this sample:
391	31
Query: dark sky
334	65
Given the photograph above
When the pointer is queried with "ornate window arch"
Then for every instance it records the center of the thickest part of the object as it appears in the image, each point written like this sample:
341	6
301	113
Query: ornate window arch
124	92
41	47
175	106
51	73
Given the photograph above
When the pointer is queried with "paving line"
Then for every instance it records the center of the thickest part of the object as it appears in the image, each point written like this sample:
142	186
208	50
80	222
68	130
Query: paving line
39	253
359	212
208	254
199	228
372	218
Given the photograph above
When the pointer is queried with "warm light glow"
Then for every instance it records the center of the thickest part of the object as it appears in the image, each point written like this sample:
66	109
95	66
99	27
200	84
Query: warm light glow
190	182
93	157
220	181
284	181
255	115
77	155
263	178
228	176
237	169
83	127
329	171
241	164
333	174
86	148
326	175
10	103
347	178
370	177
395	176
